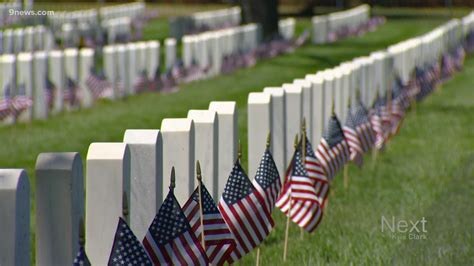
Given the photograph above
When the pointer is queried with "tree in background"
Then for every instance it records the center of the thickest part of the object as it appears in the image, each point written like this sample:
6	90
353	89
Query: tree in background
264	12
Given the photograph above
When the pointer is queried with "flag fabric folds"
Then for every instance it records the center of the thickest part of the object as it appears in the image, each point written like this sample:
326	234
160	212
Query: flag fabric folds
315	170
358	132
333	151
267	180
375	115
244	211
81	258
299	197
127	249
219	240
170	239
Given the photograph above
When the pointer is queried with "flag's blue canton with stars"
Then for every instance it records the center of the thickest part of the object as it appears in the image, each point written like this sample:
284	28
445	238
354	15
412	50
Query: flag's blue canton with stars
81	258
267	181
127	249
219	240
244	212
333	151
299	198
170	240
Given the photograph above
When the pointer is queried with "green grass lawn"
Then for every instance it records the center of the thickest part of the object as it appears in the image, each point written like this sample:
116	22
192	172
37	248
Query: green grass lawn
426	171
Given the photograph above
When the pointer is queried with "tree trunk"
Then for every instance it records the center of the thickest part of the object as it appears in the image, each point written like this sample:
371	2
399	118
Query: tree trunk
263	12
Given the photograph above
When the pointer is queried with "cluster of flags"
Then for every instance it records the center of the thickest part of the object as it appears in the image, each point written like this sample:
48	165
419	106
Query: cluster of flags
202	232
346	32
14	106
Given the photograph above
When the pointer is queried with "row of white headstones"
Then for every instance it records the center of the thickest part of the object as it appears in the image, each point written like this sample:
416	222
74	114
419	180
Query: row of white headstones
140	165
123	64
27	39
214	19
332	22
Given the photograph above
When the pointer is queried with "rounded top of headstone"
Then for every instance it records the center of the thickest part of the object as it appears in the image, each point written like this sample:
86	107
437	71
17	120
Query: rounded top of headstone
259	98
40	55
24	57
71	52
170	41
229	107
302	82
202	116
176	124
87	52
274	91
58	160
55	53
153	44
13	179
141	136
107	150
109	49
292	88
7	58
314	78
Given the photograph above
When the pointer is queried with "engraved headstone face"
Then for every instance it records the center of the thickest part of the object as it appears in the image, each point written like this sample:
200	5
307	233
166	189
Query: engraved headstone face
146	150
107	180
206	128
14	217
259	125
59	207
278	123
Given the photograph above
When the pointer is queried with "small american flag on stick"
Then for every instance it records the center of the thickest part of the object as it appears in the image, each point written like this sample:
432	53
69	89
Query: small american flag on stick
219	241
299	198
333	151
170	239
244	211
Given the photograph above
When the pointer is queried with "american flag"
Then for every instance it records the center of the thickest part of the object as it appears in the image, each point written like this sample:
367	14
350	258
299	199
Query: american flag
70	94
81	258
267	180
170	239
20	102
358	132
333	151
219	240
127	249
299	198
50	89
243	209
141	83
376	123
98	84
5	103
315	170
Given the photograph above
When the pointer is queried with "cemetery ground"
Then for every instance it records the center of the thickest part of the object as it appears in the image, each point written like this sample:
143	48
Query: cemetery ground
425	173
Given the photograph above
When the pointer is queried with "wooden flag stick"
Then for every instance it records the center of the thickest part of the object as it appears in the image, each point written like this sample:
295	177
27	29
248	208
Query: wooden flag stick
303	157
346	176
201	215
287	229
267	146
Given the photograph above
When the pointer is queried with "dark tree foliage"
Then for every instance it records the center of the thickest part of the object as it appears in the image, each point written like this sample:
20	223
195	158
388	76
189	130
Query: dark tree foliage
264	12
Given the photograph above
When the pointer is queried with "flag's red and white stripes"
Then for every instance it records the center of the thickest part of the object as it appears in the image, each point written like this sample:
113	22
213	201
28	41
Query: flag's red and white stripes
355	145
249	223
269	195
332	159
315	171
219	240
181	251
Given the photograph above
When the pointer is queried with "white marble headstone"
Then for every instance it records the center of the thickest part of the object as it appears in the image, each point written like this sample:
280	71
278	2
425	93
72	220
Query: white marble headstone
107	178
86	64
170	53
179	152
294	116
278	137
206	126
14	217
24	79
146	150
40	102
259	125
59	207
318	108
56	76
228	139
